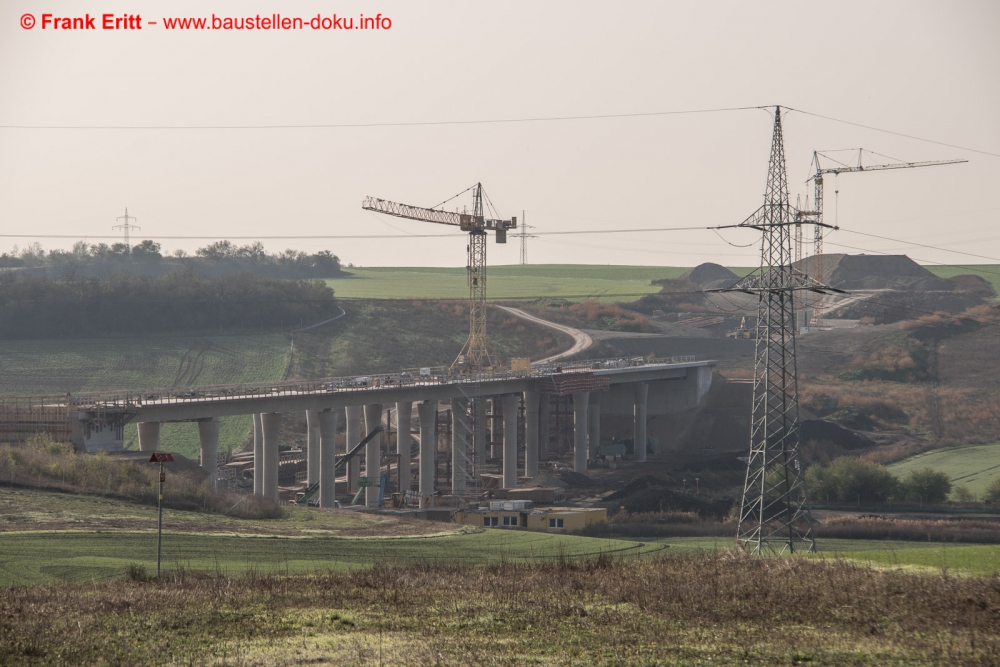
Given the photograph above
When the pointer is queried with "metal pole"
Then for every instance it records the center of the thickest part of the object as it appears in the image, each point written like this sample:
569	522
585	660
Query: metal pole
159	527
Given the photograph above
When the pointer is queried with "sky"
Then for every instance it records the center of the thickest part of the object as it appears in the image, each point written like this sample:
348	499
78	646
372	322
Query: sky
204	133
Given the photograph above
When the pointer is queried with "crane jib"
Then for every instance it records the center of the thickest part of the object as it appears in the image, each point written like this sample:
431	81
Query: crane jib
464	221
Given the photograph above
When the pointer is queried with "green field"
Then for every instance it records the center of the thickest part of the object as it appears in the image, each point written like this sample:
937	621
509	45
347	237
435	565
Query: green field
989	272
967	559
974	466
79	366
575	282
30	558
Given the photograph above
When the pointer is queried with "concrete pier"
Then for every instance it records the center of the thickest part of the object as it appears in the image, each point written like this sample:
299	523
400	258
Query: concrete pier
479	406
459	444
594	414
373	454
581	402
531	433
208	435
353	421
149	436
544	410
404	413
270	423
258	456
326	425
641	390
312	447
509	403
427	411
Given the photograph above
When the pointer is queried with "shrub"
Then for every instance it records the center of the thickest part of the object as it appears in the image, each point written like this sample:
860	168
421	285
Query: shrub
926	486
963	494
848	479
992	494
99	474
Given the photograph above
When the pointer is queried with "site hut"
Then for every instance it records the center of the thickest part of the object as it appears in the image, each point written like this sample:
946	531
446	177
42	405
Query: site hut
521	514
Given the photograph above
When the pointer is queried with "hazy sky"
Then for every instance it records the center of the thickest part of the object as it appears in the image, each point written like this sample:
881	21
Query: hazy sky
927	69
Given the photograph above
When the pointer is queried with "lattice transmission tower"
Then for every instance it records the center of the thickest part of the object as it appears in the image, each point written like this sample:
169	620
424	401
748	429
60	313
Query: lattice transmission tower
774	514
125	227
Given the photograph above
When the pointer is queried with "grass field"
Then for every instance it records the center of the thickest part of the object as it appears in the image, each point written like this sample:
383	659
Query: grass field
78	366
31	558
974	465
569	281
495	597
575	282
989	272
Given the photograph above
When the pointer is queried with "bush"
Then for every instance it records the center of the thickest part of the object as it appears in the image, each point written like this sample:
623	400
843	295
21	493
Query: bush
992	494
848	479
925	486
37	466
963	494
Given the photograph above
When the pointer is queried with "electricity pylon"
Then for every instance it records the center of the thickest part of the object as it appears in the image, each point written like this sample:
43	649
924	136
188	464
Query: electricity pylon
774	514
125	227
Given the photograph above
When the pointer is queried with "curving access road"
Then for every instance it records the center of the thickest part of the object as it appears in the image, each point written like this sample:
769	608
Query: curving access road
581	339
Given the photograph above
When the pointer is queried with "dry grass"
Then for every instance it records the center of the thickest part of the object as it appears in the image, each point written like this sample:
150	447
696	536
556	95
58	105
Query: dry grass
704	609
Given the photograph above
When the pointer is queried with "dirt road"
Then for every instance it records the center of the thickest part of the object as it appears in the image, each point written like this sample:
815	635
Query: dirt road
581	340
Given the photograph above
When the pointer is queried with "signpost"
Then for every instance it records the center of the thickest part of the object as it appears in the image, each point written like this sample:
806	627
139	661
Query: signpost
161	458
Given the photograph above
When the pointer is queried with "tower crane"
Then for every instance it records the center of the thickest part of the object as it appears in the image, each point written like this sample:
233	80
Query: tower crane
477	354
815	216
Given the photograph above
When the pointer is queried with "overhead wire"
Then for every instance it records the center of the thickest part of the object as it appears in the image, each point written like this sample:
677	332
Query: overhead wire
898	134
490	121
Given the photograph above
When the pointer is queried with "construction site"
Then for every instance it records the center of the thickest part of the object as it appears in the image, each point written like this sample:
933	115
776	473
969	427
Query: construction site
616	422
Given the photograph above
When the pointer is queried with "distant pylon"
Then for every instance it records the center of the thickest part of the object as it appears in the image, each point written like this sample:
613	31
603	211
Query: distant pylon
125	227
774	513
524	236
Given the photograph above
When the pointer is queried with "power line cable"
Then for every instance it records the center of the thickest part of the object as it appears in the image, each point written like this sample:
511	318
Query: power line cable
492	121
898	134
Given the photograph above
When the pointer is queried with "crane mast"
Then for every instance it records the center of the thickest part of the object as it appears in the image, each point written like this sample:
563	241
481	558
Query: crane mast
477	354
815	216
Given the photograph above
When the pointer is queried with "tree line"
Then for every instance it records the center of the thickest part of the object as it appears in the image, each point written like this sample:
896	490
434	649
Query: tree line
37	306
850	480
148	258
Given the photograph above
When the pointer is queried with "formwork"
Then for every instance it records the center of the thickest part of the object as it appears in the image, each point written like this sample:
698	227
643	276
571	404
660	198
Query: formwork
24	416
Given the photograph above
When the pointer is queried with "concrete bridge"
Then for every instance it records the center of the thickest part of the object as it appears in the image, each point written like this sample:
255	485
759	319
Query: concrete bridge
646	387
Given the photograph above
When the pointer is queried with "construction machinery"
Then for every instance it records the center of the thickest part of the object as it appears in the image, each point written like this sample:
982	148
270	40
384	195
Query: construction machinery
477	354
815	215
341	463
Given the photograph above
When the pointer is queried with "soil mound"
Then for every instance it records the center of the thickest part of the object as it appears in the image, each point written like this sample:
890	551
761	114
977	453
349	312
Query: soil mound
711	276
861	272
974	284
573	478
546	480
